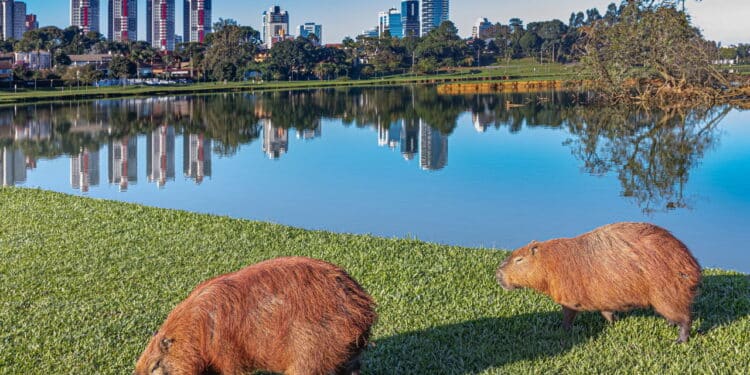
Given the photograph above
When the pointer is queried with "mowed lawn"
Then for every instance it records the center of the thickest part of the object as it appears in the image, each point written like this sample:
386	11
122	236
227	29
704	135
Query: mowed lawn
84	283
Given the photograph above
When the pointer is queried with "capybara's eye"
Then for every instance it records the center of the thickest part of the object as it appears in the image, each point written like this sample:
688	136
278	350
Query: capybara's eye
519	260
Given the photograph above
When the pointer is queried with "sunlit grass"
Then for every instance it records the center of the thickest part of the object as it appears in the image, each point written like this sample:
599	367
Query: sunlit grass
84	283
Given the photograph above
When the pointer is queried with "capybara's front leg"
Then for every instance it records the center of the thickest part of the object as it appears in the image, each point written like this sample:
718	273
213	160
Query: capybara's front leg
684	332
568	316
610	316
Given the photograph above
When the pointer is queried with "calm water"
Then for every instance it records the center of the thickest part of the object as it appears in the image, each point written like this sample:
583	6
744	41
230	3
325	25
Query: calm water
402	162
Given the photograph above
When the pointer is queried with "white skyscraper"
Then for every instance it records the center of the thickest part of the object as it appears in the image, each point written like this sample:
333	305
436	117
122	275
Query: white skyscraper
275	25
434	13
162	24
6	19
85	15
196	20
123	20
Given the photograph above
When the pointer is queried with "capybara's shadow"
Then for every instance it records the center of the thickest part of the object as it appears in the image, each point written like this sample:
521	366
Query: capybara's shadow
473	346
722	300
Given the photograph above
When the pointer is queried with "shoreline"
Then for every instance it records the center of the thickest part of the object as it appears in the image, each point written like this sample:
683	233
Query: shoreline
92	279
89	93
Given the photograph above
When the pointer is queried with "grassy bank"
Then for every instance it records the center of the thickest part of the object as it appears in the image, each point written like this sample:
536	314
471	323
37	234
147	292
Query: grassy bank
84	284
515	71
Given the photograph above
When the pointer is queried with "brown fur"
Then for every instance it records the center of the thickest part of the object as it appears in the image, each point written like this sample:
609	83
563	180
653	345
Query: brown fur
287	315
617	267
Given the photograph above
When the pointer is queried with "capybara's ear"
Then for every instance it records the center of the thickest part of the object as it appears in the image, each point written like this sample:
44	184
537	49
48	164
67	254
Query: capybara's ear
534	249
165	344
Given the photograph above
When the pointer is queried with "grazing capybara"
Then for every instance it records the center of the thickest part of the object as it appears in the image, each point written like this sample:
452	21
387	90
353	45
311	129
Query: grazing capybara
617	267
286	315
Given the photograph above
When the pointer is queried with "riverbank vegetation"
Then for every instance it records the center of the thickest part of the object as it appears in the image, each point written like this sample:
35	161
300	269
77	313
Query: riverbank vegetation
84	283
650	53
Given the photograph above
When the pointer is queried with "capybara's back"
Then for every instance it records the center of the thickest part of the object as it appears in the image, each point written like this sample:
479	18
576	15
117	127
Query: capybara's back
617	267
287	315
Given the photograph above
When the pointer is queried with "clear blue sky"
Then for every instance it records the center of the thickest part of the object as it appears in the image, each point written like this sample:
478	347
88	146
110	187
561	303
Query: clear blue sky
723	20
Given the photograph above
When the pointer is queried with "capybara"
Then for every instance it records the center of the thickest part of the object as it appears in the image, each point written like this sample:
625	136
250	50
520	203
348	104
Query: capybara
617	267
287	315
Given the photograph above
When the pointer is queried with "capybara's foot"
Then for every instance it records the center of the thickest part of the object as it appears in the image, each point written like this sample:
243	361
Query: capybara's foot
610	316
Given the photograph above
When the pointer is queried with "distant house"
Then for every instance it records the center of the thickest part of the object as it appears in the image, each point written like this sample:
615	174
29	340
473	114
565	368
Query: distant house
6	66
34	60
100	61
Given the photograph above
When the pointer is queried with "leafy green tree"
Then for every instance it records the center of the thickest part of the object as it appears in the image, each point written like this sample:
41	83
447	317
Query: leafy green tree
443	45
229	46
122	67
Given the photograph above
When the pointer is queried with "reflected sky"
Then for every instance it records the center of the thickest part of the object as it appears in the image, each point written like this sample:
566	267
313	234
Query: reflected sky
467	170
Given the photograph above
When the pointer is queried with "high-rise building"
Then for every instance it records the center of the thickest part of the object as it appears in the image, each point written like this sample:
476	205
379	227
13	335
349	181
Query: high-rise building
149	21
31	22
409	138
390	22
196	20
6	19
480	29
85	15
410	18
163	24
123	20
434	13
311	28
19	19
275	25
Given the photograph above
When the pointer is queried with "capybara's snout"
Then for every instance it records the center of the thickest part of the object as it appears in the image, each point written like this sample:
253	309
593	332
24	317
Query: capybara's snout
501	279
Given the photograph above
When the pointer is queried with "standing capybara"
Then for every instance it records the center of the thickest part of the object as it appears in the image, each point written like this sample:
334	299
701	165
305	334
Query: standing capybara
287	315
618	267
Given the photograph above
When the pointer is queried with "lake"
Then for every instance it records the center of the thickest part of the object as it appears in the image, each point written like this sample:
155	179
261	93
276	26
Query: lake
493	171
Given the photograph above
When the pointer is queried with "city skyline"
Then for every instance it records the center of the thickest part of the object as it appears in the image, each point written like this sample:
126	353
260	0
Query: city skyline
724	26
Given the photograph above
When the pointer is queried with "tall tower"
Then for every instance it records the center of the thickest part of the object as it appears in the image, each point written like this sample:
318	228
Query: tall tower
85	15
434	12
163	24
149	21
410	18
6	19
196	20
275	25
19	19
123	20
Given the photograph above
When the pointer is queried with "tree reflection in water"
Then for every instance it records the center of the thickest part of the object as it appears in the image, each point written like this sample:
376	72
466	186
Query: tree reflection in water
651	153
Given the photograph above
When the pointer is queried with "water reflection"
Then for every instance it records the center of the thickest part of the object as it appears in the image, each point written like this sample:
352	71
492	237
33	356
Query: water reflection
651	153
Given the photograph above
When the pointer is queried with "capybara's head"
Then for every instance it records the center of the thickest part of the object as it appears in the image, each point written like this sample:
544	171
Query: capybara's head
521	268
159	358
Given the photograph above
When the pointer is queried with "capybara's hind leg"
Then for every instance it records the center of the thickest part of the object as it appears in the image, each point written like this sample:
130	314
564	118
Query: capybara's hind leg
353	366
679	316
568	316
610	316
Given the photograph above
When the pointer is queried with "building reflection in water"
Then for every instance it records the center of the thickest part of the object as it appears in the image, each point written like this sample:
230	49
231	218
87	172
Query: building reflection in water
160	166
84	170
196	157
275	140
409	139
12	166
434	148
308	134
122	160
389	135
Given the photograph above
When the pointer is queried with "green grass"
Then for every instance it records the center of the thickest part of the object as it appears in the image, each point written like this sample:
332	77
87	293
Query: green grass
516	70
84	283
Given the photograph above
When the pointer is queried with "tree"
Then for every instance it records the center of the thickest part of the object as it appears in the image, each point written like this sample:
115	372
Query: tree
229	46
653	50
443	45
122	67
